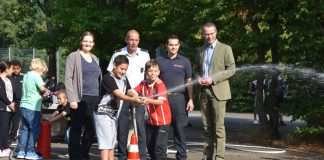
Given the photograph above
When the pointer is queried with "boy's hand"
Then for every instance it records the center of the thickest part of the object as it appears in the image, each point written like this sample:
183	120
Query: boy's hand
47	93
143	100
137	100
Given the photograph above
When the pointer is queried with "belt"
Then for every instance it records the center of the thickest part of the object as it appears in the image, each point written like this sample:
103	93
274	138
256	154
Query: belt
174	93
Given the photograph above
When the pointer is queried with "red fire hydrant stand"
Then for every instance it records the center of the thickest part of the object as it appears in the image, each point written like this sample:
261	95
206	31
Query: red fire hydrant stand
44	140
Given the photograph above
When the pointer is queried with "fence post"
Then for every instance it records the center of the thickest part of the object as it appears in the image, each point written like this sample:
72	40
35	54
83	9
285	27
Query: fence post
33	53
9	54
57	65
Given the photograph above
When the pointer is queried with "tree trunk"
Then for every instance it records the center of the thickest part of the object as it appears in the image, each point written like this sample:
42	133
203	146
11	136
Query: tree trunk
261	108
260	105
52	62
51	51
272	106
273	103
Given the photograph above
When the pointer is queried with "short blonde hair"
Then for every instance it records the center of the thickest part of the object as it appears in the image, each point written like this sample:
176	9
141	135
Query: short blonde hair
38	64
62	92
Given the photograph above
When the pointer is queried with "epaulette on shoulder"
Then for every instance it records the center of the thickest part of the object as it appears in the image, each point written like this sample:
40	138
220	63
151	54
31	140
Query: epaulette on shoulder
144	50
118	50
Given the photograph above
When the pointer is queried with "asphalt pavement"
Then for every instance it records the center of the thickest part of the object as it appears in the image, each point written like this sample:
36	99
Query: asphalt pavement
235	123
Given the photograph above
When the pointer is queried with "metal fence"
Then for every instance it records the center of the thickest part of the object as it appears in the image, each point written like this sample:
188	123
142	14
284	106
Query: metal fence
26	55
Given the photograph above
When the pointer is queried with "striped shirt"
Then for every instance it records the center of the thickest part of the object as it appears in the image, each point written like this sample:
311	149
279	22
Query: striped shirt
158	114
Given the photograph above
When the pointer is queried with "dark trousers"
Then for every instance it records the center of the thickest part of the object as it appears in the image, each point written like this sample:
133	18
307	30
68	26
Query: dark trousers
14	123
178	105
82	117
157	141
123	130
4	129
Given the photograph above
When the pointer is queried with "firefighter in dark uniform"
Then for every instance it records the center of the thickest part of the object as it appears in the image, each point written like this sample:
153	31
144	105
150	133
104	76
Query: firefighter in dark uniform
176	72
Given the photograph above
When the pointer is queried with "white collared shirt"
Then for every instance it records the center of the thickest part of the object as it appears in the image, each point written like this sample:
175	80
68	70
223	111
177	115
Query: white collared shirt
136	68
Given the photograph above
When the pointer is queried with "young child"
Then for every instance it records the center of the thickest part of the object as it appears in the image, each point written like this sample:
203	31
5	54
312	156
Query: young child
6	106
159	114
63	110
114	87
16	79
30	107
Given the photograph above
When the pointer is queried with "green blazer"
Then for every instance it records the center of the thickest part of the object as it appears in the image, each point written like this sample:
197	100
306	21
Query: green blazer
222	68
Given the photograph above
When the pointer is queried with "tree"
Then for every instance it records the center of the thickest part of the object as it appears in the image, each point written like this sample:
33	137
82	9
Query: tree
17	23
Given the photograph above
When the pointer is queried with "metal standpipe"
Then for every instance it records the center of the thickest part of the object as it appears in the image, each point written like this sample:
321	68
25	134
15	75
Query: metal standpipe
134	119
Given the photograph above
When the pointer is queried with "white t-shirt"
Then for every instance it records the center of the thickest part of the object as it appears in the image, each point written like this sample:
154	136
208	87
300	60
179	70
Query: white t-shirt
136	68
9	91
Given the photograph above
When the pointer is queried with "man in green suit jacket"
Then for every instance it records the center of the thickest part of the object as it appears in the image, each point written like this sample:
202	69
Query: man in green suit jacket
215	66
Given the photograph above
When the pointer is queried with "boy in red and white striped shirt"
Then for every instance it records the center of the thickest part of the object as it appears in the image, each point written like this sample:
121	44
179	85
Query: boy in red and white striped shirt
154	95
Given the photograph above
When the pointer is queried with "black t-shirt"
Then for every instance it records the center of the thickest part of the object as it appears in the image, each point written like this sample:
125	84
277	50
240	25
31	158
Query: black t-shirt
109	104
109	84
66	109
174	72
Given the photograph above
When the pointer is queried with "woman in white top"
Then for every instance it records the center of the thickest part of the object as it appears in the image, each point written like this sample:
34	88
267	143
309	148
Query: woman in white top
6	106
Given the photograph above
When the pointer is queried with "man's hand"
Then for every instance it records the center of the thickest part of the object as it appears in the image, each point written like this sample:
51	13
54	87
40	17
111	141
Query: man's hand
205	82
190	106
208	81
200	81
74	105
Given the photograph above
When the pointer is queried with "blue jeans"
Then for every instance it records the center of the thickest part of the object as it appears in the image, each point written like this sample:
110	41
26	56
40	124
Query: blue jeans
29	129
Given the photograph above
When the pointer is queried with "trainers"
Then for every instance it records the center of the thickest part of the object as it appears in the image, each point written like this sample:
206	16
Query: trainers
66	155
1	153
6	152
15	153
21	154
13	142
33	155
255	122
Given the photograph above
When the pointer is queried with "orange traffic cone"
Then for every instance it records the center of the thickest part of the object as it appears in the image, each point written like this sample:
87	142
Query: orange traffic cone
133	153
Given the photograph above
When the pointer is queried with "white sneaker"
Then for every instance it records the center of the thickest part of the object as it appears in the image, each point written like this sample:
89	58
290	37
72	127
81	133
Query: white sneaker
66	155
1	155
255	122
6	152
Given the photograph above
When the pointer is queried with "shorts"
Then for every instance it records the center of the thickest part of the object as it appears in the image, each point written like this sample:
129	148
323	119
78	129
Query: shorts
106	131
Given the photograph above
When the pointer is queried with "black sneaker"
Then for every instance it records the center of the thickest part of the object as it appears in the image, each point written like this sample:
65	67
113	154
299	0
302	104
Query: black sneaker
13	142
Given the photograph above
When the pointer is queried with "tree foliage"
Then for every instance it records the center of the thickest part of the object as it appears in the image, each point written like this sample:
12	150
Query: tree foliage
278	32
18	23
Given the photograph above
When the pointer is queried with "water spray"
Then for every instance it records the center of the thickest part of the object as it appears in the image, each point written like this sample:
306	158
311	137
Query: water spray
265	68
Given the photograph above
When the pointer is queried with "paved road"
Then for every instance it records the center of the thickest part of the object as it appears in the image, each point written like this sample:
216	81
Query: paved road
236	123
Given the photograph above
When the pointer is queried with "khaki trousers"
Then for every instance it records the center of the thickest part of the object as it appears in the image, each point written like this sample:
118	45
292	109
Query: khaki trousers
213	112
